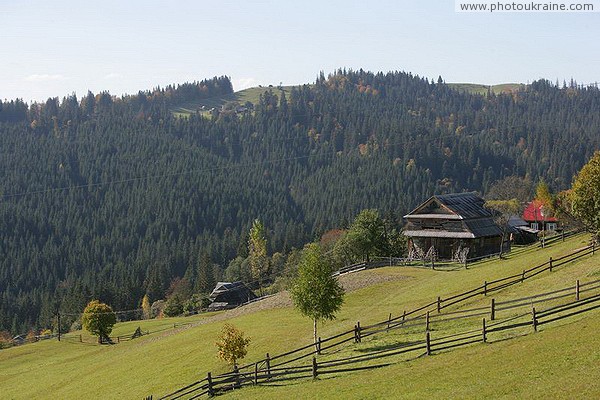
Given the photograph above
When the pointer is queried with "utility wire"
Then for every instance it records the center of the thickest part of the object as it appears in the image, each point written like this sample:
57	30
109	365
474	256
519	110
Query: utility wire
204	170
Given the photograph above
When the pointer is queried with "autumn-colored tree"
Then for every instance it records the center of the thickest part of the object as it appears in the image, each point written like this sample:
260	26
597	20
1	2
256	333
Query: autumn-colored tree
146	308
585	194
5	339
232	344
98	319
257	250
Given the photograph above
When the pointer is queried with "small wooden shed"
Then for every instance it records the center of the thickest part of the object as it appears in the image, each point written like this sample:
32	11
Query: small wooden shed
230	295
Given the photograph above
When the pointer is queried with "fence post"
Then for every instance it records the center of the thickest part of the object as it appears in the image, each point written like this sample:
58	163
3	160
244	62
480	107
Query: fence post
493	310
428	343
358	331
593	247
236	371
427	321
534	319
389	321
523	276
268	362
577	290
485	288
256	373
80	338
550	264
439	304
58	323
314	368
319	345
403	315
484	332
211	392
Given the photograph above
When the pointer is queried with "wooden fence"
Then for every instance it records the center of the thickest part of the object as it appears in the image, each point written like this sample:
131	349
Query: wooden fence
277	368
378	262
267	373
107	340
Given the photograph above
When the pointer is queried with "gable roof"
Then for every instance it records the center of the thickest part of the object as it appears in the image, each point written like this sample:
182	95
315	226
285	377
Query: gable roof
533	213
232	293
452	206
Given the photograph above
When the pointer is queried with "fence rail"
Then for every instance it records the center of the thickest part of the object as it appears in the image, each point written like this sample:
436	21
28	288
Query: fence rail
265	371
428	346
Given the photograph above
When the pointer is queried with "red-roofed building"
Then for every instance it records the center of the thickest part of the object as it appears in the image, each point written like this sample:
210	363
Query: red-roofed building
538	218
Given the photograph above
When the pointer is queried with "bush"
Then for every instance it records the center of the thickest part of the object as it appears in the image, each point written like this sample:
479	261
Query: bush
196	303
173	307
75	326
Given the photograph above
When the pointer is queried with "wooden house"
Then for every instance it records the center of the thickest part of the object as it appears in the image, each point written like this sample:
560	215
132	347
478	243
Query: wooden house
229	295
538	218
453	227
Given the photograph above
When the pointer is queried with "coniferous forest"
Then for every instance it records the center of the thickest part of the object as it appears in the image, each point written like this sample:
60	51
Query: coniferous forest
116	197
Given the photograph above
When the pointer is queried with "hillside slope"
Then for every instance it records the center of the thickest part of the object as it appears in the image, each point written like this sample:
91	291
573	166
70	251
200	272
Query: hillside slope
116	198
164	361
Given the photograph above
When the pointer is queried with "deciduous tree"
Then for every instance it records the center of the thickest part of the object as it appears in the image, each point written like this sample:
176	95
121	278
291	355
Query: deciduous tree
315	292
585	194
232	344
98	319
257	249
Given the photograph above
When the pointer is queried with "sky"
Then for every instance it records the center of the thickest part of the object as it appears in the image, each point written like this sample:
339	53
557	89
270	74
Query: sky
55	48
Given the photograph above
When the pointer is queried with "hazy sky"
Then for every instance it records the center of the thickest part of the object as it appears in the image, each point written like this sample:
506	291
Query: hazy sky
54	48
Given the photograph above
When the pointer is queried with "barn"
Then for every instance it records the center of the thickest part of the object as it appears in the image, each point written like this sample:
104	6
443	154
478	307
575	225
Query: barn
229	295
453	227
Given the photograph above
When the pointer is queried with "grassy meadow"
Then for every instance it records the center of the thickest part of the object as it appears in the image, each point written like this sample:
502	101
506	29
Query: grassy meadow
251	94
555	362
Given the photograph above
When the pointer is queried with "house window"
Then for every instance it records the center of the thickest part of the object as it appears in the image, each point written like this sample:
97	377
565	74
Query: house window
534	225
551	226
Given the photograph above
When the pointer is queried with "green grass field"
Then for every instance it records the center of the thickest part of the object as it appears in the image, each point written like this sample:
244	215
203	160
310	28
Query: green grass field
557	362
483	89
251	94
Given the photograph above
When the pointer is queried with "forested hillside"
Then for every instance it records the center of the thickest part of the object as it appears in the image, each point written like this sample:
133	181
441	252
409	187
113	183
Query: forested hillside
113	198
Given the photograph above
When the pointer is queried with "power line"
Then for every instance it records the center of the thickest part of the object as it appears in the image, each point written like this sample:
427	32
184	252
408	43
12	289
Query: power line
204	170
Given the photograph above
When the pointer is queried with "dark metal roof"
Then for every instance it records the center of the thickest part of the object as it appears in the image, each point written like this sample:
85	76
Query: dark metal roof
467	205
233	293
477	221
483	227
463	205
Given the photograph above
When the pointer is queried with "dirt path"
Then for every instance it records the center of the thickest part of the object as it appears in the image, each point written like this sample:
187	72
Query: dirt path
350	282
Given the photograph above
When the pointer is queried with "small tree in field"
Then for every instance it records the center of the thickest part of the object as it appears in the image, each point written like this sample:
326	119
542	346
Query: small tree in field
98	319
315	293
232	344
